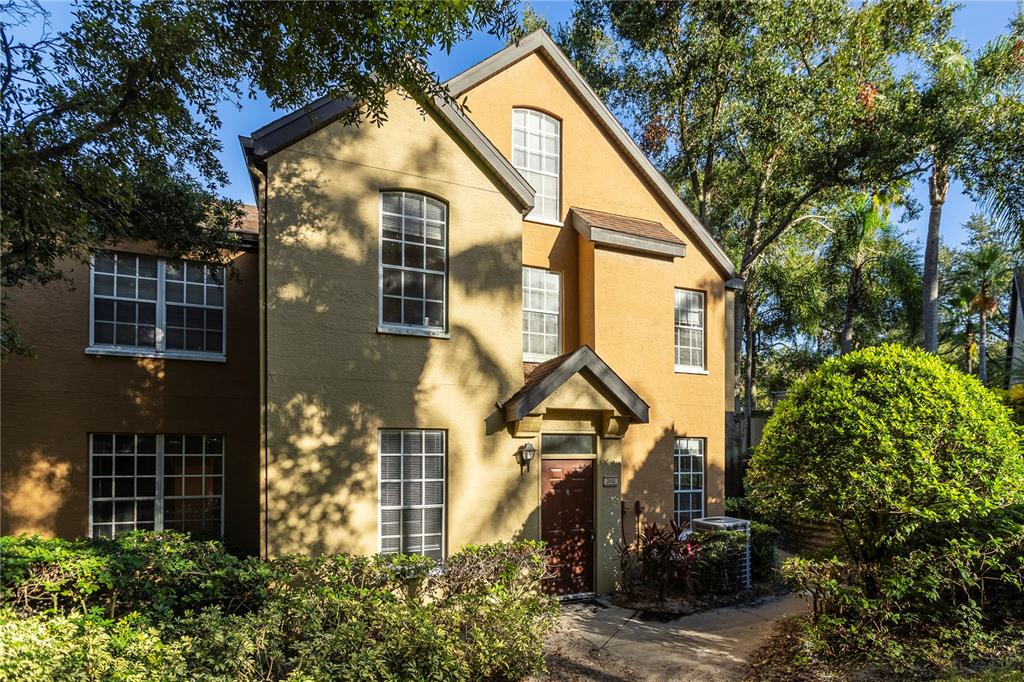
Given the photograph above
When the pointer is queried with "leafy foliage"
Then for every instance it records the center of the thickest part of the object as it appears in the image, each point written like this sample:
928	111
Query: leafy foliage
919	468
668	560
108	130
1013	398
158	606
882	442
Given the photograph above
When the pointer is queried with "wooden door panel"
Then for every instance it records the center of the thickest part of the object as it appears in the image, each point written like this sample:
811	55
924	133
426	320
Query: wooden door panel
567	524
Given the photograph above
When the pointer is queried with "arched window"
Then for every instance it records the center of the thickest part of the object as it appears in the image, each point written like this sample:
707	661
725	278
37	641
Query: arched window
536	146
413	263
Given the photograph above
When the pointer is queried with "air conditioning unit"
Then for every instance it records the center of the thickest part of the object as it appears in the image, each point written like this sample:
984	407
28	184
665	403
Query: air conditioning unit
742	565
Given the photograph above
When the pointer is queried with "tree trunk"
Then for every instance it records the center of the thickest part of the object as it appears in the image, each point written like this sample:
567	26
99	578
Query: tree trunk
938	187
739	316
846	334
983	346
968	347
748	372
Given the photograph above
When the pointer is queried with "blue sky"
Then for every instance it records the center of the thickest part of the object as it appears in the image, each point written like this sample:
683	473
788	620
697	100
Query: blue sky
976	23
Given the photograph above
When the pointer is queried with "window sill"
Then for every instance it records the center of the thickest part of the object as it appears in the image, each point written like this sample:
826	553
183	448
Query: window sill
691	370
537	358
543	221
156	354
410	331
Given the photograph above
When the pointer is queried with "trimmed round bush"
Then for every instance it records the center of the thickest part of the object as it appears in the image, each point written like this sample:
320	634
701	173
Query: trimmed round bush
882	442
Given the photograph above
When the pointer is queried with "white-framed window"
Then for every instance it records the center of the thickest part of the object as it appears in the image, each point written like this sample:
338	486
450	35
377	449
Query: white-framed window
689	331
542	337
156	481
689	479
413	263
156	306
536	146
412	494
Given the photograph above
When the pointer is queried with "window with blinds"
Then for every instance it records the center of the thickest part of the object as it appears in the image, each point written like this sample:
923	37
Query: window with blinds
412	492
413	262
689	330
535	154
541	310
689	479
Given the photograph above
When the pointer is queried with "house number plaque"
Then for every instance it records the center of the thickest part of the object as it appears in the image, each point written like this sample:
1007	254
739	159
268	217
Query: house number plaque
610	481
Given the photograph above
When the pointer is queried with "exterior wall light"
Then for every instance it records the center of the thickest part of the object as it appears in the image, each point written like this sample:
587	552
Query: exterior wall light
524	455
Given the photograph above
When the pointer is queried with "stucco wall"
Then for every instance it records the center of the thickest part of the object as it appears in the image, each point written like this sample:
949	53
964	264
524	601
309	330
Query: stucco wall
52	402
624	301
333	380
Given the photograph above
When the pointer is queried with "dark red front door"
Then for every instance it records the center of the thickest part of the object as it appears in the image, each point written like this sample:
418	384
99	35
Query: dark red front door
567	524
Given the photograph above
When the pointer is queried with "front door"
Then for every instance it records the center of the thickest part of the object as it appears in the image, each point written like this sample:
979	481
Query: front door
567	524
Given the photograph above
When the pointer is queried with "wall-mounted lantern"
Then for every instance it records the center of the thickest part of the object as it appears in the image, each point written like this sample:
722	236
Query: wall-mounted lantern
524	455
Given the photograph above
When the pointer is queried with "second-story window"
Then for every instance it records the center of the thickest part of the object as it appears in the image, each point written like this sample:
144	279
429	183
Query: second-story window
541	306
535	154
155	305
689	331
414	262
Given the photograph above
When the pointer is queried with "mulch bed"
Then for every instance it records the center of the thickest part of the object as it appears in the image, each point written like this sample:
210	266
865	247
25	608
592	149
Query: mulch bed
678	605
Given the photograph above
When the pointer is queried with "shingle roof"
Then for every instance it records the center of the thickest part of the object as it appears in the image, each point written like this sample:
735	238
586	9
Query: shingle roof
251	219
635	226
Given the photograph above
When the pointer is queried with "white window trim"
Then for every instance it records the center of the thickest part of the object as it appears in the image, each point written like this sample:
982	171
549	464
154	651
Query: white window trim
532	216
161	313
692	369
703	477
540	357
407	329
444	491
158	499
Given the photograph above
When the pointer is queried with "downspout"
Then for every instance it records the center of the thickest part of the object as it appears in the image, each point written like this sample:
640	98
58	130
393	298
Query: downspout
259	174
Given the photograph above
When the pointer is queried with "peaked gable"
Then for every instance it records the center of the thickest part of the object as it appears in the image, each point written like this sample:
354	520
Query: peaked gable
292	127
547	377
540	42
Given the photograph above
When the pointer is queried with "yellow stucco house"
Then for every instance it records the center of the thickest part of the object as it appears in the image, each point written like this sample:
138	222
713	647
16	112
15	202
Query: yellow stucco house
484	325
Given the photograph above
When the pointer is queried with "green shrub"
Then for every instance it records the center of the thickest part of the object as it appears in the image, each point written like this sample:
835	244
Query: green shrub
719	557
479	616
55	647
882	442
763	538
167	572
1013	398
919	470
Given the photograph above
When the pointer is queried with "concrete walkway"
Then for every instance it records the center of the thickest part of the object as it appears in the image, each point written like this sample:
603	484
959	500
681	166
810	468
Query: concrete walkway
614	644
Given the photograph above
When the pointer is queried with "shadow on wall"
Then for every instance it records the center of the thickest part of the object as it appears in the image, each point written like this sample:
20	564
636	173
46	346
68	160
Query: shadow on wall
652	471
44	481
332	381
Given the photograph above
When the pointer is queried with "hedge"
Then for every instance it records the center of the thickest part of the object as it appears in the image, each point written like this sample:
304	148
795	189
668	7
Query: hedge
160	606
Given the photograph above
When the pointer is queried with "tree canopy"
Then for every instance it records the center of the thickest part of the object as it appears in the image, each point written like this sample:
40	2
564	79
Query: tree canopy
109	128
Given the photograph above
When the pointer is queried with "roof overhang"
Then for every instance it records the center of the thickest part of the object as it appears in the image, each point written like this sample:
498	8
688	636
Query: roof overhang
303	122
541	42
554	373
628	242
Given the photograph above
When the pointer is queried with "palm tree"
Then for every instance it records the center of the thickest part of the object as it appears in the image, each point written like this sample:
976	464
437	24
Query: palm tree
872	272
975	114
990	270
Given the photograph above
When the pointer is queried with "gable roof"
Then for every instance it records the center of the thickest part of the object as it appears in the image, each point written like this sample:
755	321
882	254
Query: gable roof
548	376
294	126
540	42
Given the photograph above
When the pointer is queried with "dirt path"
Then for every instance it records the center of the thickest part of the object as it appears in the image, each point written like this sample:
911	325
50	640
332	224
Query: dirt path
612	644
